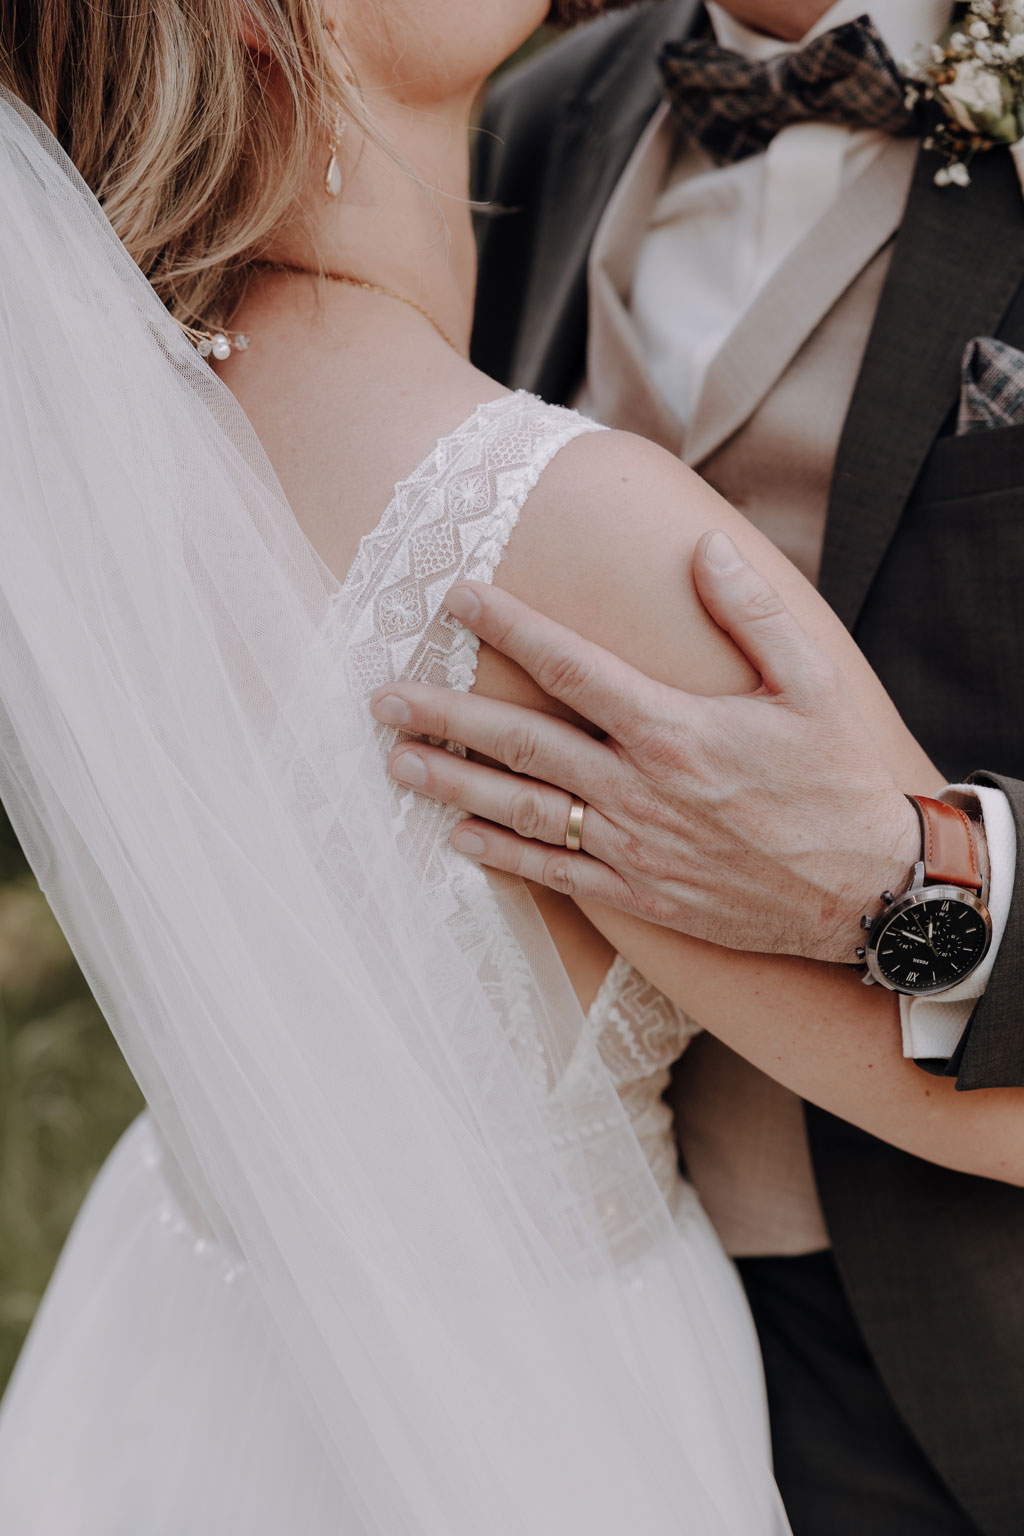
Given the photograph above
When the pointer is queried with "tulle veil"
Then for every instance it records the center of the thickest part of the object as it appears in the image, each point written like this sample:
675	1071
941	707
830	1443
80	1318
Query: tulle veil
196	780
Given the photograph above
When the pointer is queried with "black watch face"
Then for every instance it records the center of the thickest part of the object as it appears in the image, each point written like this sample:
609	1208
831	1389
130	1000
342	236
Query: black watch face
931	941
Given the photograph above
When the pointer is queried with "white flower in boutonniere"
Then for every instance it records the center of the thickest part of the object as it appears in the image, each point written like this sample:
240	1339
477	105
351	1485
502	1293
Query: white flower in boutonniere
975	76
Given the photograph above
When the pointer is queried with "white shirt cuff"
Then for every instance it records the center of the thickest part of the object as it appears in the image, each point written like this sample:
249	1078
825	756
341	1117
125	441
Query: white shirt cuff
933	1026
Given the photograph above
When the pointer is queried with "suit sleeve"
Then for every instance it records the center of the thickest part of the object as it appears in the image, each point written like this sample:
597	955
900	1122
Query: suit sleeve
509	156
991	1050
512	156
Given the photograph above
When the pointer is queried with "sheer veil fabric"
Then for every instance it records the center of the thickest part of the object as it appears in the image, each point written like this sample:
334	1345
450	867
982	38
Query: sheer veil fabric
401	1141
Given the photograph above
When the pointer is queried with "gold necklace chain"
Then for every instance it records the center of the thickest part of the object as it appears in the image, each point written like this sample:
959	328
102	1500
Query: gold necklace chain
367	287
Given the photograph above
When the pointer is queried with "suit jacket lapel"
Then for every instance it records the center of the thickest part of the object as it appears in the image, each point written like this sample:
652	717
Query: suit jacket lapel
596	133
796	299
958	261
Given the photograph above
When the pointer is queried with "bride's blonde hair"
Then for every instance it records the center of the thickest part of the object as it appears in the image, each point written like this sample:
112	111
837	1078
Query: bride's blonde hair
196	144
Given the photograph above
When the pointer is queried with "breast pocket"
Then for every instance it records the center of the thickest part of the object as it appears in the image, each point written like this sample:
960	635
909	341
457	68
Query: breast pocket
944	621
973	465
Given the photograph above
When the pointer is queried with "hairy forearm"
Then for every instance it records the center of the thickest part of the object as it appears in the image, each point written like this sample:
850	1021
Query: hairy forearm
819	1031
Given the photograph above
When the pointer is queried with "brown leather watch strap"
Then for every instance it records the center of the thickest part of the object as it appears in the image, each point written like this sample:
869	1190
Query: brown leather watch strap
947	844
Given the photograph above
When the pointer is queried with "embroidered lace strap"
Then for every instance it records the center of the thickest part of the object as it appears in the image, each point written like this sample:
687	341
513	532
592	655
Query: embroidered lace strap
451	519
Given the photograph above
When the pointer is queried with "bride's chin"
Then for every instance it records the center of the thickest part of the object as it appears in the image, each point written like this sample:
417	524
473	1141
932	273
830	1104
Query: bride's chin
431	50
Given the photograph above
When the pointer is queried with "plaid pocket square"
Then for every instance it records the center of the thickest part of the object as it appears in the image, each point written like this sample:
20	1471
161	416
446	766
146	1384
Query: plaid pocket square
991	386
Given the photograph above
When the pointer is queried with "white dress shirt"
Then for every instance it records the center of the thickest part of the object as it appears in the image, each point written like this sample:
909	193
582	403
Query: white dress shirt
716	234
714	238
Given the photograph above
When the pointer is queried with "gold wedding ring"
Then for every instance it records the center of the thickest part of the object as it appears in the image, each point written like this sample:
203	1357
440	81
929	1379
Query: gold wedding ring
574	831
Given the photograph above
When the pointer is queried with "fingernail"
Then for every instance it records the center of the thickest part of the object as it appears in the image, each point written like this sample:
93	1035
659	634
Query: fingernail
391	710
721	552
463	604
409	768
467	842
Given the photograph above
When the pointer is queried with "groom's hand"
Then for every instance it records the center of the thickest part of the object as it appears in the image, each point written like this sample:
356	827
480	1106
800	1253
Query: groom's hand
765	821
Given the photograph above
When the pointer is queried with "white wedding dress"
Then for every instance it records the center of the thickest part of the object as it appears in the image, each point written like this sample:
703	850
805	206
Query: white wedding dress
154	1385
399	1247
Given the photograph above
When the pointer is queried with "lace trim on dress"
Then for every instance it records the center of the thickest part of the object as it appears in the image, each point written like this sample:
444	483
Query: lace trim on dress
451	519
639	1033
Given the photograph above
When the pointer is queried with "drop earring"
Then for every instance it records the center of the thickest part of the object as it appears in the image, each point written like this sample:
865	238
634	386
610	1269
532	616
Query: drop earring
332	180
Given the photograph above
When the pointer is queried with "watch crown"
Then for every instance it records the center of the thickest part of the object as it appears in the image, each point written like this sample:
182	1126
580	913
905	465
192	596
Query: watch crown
866	922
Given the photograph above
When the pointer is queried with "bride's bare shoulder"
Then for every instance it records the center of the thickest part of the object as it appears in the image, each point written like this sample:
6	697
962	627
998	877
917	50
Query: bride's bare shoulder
605	544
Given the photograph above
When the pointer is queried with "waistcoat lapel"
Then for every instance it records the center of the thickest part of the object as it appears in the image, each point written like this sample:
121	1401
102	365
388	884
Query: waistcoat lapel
796	299
619	389
958	261
596	133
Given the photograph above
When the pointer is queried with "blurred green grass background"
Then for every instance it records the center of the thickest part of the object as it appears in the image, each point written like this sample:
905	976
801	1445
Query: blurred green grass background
65	1095
65	1091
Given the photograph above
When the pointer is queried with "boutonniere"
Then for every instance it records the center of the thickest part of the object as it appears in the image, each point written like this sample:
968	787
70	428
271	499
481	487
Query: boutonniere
975	76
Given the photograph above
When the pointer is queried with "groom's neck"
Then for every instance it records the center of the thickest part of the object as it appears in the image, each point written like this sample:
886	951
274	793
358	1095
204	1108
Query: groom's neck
784	19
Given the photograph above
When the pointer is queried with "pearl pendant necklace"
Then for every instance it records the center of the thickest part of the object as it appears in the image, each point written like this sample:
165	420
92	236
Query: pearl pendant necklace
217	346
361	282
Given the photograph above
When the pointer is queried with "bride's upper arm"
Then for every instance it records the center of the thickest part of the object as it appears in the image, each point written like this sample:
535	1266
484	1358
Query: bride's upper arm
605	545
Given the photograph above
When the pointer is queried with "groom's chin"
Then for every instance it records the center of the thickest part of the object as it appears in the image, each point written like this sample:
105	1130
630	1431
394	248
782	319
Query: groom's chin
568	13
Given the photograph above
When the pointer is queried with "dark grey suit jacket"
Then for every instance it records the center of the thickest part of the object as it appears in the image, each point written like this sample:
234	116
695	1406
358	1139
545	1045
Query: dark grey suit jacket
924	561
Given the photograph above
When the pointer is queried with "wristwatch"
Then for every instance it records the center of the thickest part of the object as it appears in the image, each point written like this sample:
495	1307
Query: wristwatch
939	930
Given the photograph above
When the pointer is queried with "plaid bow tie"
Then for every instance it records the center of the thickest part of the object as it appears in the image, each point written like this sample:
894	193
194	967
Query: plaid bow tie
735	108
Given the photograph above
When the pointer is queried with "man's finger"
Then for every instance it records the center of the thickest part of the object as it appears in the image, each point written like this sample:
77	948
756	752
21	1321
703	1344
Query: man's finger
748	608
593	682
526	740
573	874
533	810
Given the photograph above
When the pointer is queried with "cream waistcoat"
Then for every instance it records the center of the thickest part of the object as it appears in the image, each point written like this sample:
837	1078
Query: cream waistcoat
764	431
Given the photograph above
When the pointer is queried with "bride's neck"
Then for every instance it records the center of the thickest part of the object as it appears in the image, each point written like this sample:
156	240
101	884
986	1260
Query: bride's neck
402	220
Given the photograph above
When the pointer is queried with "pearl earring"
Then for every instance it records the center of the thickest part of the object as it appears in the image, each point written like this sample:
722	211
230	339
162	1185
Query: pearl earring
332	180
